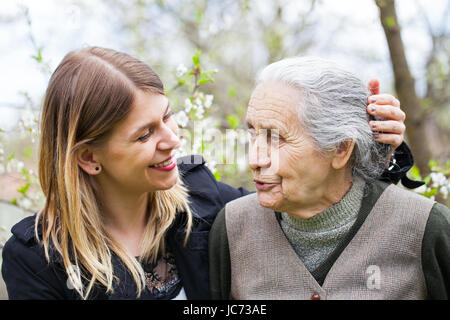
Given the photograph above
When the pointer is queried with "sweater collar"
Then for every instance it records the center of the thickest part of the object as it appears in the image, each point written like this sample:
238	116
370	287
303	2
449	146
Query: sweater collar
335	216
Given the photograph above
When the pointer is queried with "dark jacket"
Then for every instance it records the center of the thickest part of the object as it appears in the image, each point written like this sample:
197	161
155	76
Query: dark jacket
28	275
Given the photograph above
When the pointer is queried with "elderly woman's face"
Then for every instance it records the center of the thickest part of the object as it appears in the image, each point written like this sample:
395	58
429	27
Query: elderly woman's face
289	174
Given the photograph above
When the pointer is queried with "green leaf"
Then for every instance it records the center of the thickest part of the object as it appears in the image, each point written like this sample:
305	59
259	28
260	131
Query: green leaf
217	175
28	152
232	92
14	201
209	72
11	156
204	80
431	193
199	16
38	57
432	164
390	22
196	58
23	189
415	173
233	121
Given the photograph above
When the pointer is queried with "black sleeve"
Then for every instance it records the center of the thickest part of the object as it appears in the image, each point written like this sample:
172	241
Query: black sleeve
27	274
219	260
229	193
401	162
436	253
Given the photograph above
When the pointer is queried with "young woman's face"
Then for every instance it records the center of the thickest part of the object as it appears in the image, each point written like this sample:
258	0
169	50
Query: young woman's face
138	156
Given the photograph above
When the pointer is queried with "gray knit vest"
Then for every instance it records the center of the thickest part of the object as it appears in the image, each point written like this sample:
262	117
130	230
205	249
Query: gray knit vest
382	261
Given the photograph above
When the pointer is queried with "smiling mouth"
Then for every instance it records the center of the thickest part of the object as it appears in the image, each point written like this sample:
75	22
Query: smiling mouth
166	165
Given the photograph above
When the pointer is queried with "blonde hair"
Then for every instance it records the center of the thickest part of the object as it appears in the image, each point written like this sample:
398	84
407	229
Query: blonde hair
91	90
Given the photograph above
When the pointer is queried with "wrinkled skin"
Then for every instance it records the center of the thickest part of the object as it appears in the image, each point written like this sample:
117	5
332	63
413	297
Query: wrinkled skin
292	176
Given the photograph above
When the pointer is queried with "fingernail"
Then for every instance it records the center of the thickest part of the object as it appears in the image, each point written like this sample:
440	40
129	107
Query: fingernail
372	100
372	108
376	135
373	125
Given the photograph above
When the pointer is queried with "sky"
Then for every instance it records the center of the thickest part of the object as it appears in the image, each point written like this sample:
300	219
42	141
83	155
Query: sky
61	26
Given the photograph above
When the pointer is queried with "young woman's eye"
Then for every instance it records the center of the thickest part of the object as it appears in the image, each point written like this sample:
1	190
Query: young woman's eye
146	136
168	115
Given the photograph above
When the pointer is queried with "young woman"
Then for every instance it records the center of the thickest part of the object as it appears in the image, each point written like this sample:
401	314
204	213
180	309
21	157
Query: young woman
122	220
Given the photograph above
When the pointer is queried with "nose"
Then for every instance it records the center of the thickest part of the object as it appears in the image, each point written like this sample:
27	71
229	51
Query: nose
259	153
169	139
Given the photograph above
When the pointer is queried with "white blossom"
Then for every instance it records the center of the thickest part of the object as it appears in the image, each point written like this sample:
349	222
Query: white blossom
181	70
438	179
19	166
208	100
200	112
25	203
10	166
181	118
188	105
444	191
28	123
212	165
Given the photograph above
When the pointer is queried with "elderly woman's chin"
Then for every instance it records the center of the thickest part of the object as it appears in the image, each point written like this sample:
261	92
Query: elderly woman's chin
272	198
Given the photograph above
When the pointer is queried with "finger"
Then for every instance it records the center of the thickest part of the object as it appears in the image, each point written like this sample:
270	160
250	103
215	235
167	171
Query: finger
374	86
392	139
386	111
388	126
383	99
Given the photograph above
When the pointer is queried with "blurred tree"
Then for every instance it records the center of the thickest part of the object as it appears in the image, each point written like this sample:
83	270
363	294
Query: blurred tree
236	37
426	137
437	98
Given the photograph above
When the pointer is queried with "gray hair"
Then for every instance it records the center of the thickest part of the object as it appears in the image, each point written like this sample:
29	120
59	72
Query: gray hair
334	109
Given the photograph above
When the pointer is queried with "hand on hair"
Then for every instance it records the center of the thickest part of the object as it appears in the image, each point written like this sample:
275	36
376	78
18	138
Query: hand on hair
391	129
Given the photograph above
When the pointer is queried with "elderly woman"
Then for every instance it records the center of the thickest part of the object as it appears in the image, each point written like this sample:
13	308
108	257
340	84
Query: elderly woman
320	225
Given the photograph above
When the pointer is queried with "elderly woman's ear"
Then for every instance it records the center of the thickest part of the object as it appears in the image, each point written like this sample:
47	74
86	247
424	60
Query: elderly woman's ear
342	154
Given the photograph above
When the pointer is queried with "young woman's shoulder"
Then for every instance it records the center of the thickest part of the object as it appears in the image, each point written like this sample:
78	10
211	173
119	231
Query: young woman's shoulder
25	269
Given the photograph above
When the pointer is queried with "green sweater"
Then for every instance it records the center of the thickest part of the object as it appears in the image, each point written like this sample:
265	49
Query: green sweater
314	239
435	249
